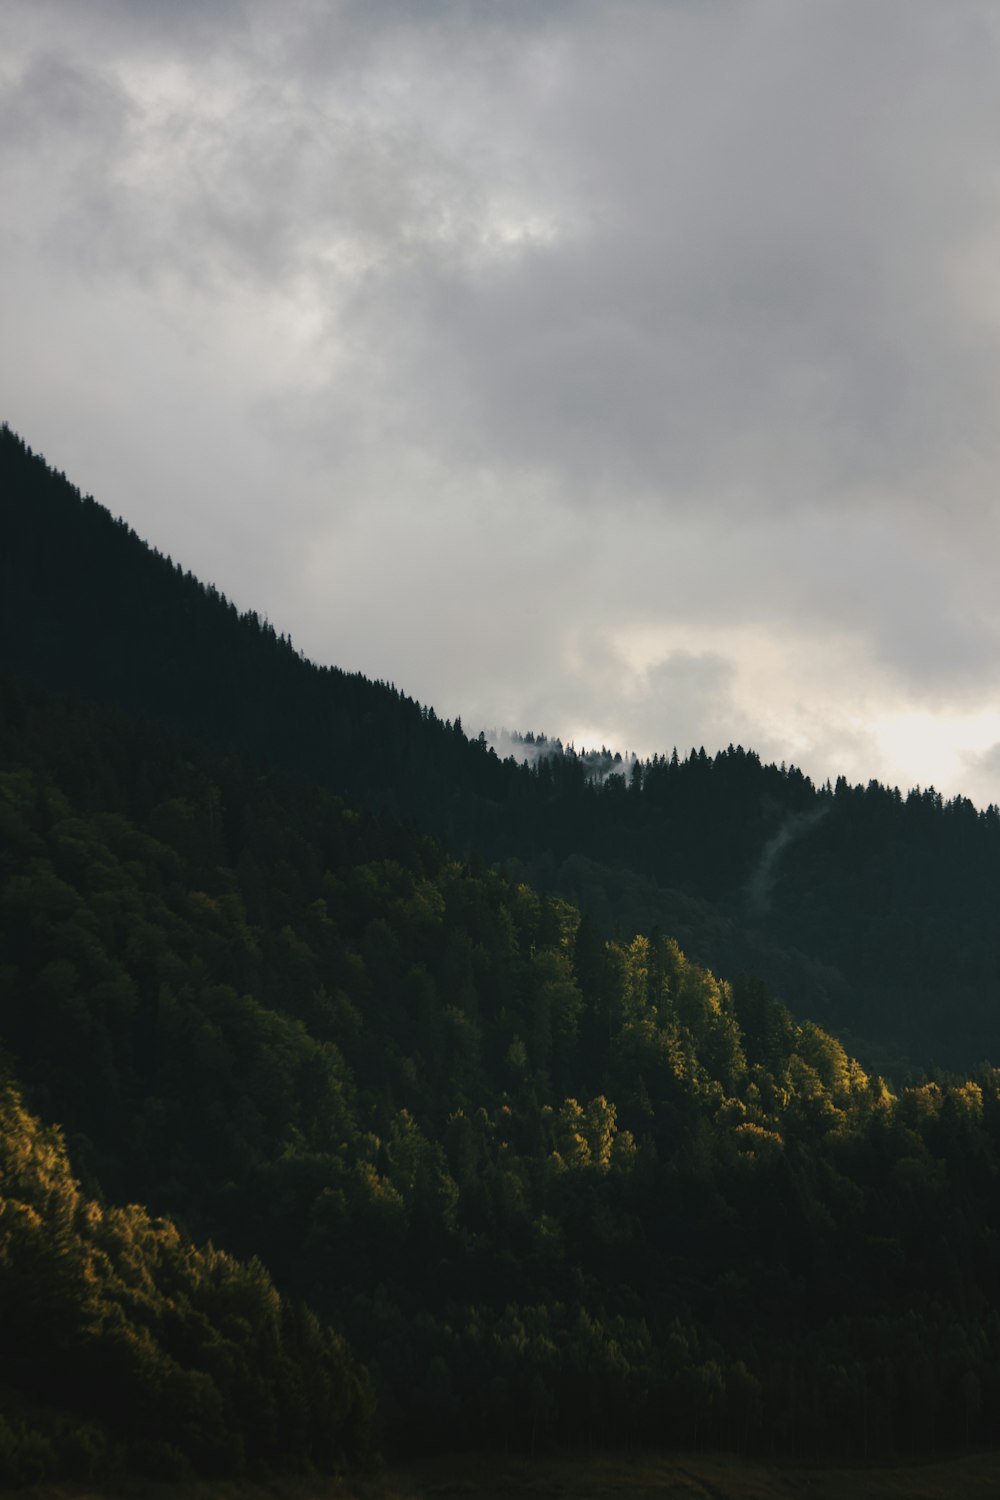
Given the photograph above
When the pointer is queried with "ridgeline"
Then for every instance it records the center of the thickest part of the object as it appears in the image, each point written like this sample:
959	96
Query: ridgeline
519	1181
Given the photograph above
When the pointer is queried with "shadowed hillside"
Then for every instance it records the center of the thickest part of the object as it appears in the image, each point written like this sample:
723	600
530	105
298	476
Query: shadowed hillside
552	1189
869	912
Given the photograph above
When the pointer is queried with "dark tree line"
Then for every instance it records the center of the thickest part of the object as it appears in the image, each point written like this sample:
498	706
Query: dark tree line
548	1187
875	915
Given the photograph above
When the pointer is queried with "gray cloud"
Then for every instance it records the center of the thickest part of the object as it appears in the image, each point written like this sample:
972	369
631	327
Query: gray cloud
628	370
981	776
689	695
760	296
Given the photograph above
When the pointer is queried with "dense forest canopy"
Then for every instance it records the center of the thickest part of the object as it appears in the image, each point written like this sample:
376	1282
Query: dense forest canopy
518	1177
869	911
126	1344
547	1186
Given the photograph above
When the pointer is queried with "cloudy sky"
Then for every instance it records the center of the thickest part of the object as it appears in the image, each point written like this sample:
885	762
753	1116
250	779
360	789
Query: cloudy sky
623	369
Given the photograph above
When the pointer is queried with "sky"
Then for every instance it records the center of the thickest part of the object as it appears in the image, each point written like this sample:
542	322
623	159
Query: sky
623	371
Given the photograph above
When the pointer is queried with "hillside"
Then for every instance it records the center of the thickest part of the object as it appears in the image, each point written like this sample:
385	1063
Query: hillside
128	1347
867	911
549	1188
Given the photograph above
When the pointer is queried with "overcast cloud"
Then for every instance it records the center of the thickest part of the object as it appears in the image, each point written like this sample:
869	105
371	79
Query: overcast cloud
625	371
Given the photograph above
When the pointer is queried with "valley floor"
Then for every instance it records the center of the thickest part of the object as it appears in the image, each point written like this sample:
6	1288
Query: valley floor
595	1477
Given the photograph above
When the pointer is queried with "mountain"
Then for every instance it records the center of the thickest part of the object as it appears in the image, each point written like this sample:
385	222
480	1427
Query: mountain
870	912
545	1187
544	1181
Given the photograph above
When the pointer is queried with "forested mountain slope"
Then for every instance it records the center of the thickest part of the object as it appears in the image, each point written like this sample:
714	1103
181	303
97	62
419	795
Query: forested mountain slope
872	913
548	1187
125	1346
85	605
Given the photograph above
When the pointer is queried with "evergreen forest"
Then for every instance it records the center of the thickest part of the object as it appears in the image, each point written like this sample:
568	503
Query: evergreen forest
362	1091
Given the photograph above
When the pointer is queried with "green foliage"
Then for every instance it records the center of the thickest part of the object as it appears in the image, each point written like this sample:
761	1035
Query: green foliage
548	1185
871	912
126	1340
